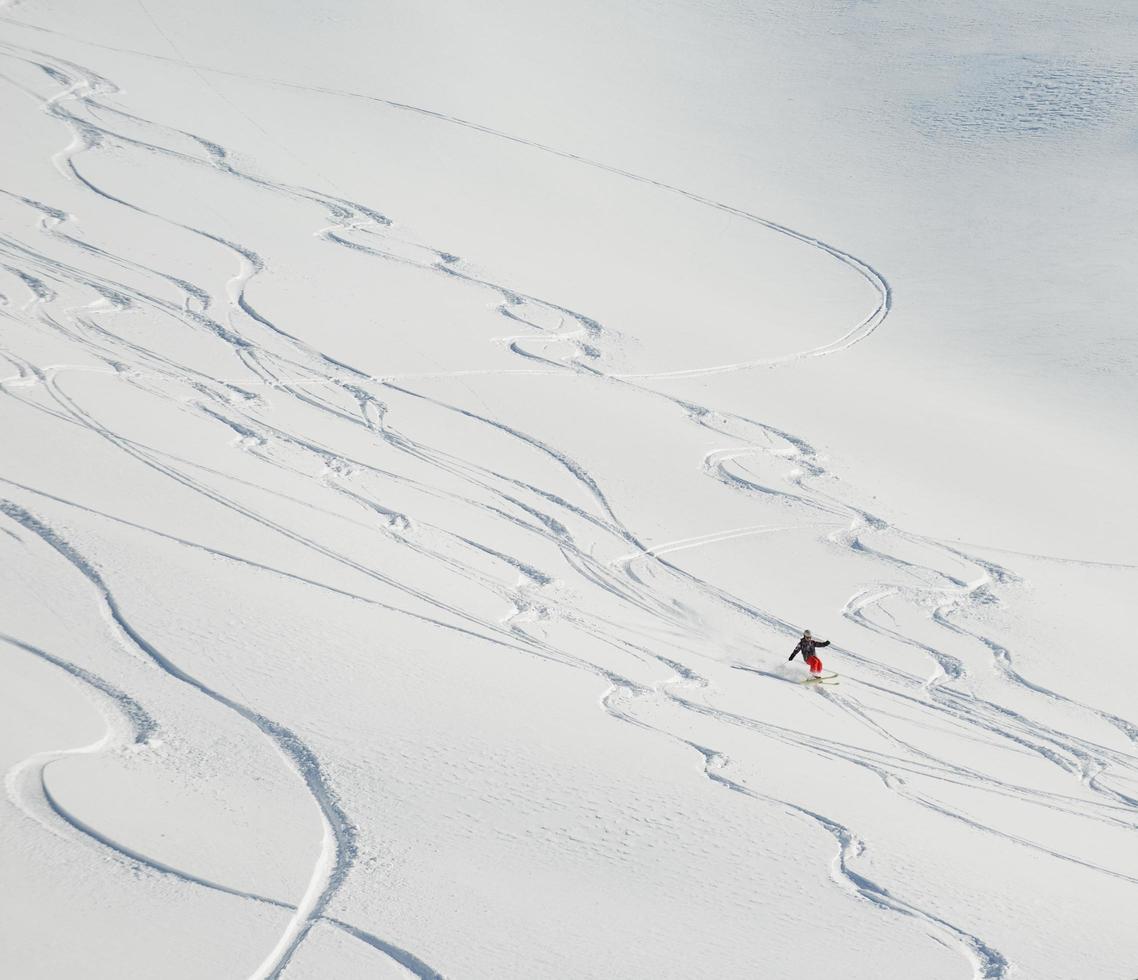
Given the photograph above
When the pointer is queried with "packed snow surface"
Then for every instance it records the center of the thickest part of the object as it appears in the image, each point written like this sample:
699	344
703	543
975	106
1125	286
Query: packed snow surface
428	427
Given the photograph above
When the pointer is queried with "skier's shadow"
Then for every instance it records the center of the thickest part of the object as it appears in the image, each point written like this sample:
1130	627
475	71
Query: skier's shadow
765	673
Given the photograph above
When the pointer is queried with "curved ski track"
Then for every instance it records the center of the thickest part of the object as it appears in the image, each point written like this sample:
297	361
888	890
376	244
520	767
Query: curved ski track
64	265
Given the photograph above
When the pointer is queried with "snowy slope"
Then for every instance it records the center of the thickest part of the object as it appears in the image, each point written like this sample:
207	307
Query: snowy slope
426	430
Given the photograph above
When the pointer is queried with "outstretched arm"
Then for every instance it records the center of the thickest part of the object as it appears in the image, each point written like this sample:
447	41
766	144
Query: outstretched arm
794	652
822	643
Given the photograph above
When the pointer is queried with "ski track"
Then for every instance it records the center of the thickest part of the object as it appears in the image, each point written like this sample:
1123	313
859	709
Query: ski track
555	341
28	790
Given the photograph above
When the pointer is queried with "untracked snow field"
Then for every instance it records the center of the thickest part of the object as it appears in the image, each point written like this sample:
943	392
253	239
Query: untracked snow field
426	429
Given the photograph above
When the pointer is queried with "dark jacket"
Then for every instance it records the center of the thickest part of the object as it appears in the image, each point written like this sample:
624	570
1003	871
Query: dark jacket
806	647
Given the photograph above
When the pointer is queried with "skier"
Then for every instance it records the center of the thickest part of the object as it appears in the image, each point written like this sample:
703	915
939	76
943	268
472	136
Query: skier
806	647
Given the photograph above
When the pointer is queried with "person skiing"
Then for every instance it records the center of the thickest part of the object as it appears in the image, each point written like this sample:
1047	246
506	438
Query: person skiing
806	646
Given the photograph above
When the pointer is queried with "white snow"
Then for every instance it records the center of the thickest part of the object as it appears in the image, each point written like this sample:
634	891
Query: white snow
425	430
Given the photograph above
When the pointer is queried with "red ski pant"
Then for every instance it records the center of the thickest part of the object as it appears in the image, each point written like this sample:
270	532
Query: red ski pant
814	663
